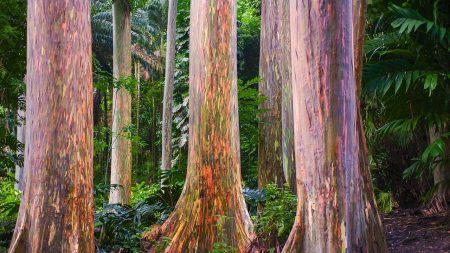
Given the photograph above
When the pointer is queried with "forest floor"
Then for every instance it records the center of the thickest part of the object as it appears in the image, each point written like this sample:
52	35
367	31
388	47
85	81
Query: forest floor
411	231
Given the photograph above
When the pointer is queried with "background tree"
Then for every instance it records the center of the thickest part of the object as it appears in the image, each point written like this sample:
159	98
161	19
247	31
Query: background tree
273	72
121	145
211	210
331	187
166	157
57	205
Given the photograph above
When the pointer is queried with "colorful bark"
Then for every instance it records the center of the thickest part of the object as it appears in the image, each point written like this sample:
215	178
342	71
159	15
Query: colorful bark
275	75
211	208
121	144
57	210
336	212
374	229
287	120
166	159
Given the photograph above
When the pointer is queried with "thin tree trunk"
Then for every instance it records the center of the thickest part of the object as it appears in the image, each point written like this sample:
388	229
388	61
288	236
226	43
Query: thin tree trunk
287	120
273	72
137	74
334	214
121	145
374	229
57	210
21	132
211	208
441	176
97	106
166	159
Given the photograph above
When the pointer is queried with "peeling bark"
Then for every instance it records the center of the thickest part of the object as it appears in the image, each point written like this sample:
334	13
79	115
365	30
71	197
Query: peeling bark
166	159
211	208
56	211
274	74
336	211
121	145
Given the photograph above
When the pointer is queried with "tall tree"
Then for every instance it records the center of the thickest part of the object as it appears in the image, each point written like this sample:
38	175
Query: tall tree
166	159
273	70
211	208
56	211
334	214
121	144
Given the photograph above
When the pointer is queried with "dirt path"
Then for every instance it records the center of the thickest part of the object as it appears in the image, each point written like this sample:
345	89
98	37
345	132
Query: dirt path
410	231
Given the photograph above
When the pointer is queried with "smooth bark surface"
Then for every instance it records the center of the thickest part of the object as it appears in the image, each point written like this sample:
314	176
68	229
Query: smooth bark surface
57	210
211	208
334	211
273	71
121	144
166	158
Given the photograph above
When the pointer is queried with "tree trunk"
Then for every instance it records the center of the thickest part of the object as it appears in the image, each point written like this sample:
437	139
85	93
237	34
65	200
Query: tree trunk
211	208
21	131
441	176
137	75
287	120
273	70
166	159
334	212
121	145
57	210
374	229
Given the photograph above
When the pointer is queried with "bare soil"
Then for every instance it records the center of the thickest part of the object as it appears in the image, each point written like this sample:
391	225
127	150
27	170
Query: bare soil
416	231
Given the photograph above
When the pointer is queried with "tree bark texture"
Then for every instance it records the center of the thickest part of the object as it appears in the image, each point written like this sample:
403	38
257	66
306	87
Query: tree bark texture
274	74
57	210
211	208
334	214
21	131
166	159
121	144
374	229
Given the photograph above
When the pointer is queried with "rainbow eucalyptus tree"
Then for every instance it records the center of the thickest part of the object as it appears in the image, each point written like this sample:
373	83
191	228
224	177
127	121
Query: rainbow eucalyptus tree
275	150
166	156
57	210
211	208
336	211
121	144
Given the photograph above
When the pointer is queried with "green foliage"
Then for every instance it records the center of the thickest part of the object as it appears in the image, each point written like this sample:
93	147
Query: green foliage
118	227
9	208
277	217
249	110
385	201
409	20
407	74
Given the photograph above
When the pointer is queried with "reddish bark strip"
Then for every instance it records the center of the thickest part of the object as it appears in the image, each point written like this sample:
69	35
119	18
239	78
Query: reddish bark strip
57	210
211	208
334	212
273	71
121	144
374	229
